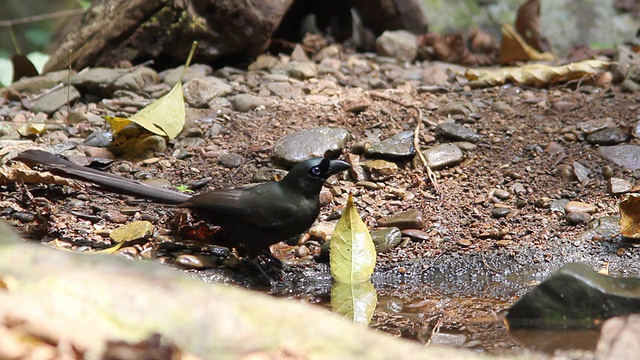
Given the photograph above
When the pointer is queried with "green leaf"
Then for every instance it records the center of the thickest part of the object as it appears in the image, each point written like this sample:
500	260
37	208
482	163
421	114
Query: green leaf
354	301
164	116
352	255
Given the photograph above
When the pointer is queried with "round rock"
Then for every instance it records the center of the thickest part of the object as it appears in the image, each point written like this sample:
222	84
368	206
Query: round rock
309	143
386	239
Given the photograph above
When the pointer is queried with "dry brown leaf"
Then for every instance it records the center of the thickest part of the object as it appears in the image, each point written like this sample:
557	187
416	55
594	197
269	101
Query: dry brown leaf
630	216
18	172
537	75
528	25
515	48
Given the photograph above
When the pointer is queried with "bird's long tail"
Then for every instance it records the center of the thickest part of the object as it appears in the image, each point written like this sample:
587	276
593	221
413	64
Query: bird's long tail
114	183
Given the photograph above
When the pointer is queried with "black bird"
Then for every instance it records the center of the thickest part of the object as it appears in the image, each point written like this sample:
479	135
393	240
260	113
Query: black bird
252	218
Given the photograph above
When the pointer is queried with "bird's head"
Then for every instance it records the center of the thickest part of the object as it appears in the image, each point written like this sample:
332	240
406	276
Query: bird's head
309	175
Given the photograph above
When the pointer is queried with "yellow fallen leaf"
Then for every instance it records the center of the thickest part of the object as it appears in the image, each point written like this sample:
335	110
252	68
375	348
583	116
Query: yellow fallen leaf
352	255
164	116
356	302
30	128
630	216
515	48
108	251
537	75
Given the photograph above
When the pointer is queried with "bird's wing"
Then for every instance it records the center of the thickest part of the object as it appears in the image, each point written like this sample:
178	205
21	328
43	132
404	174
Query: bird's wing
265	206
226	201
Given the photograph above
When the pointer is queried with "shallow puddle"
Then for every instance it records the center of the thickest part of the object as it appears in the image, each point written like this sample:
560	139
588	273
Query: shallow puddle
462	314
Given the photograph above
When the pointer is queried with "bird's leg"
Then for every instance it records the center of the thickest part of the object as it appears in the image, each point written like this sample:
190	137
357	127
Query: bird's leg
268	266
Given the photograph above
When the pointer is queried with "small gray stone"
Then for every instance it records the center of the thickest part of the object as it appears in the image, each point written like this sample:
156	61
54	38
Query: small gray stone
301	70
398	146
284	90
267	174
457	131
172	76
608	136
199	91
410	219
189	261
582	172
591	126
399	44
230	160
246	102
624	155
33	85
619	186
136	79
380	169
577	217
443	155
578	206
309	143
499	212
558	205
54	100
386	239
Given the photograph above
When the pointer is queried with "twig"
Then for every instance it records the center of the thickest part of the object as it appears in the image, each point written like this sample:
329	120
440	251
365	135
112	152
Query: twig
484	263
30	19
436	329
416	138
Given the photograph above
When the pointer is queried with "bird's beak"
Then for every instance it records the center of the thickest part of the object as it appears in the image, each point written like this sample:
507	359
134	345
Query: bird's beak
336	166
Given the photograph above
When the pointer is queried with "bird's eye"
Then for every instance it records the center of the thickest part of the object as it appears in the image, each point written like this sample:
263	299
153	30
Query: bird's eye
315	171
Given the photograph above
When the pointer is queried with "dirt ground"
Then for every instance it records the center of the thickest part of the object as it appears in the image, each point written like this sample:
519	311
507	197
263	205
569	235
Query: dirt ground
469	267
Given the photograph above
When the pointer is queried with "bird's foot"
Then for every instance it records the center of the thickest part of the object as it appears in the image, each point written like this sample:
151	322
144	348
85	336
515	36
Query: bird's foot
269	268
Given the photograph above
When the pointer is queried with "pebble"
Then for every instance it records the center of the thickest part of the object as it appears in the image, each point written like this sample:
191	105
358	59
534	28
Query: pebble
608	136
386	239
246	102
398	146
501	194
591	126
624	155
400	44
578	206
581	172
115	217
577	217
410	219
133	231
54	100
379	170
558	205
23	216
230	160
136	79
322	230
443	155
284	90
416	234
499	212
619	186
564	106
190	261
457	108
503	243
199	91
309	143
464	242
457	131
301	70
